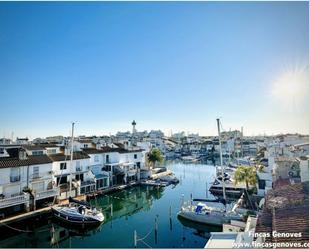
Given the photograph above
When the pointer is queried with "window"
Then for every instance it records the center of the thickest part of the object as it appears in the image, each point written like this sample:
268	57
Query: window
79	177
78	167
138	165
37	152
15	175
85	145
96	158
262	184
62	180
107	158
36	172
51	151
135	156
63	166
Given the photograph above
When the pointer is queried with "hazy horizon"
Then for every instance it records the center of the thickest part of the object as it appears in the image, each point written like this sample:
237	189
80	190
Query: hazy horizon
169	65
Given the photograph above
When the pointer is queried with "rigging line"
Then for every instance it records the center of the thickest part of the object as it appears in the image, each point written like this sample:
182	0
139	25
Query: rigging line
146	244
107	207
145	235
16	229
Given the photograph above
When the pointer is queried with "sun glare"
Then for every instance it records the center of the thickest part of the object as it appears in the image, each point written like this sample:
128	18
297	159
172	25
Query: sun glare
292	87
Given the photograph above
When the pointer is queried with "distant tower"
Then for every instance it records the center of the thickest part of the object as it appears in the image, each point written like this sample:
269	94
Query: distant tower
134	129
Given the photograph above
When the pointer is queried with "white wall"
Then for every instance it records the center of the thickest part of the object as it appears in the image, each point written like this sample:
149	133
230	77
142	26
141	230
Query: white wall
84	164
45	177
304	170
14	188
129	157
113	157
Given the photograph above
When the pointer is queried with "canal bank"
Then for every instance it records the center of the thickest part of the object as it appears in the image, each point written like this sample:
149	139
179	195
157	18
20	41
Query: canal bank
135	209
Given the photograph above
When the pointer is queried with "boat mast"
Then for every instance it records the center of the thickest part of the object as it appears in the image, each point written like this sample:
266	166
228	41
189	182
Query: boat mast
71	161
221	161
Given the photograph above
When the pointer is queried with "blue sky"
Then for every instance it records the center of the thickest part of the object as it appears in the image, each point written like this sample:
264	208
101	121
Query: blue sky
168	65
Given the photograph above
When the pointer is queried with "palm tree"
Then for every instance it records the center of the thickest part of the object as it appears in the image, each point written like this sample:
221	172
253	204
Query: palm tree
154	156
247	174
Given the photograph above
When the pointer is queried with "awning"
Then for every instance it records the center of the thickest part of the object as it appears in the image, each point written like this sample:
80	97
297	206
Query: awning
101	175
62	175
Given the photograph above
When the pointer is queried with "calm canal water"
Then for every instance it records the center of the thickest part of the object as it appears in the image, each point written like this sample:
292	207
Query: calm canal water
135	209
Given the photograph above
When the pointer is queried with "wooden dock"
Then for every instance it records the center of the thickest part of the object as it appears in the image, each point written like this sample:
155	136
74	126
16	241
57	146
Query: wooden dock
24	216
111	190
36	213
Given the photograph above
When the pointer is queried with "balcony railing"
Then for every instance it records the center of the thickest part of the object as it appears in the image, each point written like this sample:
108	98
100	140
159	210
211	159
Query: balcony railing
12	201
14	178
86	183
36	176
132	172
47	193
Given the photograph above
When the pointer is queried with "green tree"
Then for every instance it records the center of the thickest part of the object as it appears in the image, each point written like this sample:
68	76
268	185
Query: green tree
246	174
153	157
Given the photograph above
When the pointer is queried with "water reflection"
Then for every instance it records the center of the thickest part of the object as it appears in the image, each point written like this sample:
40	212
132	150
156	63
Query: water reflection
54	234
128	202
133	209
59	232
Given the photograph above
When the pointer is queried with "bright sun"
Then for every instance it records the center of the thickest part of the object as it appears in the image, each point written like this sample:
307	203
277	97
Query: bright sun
292	87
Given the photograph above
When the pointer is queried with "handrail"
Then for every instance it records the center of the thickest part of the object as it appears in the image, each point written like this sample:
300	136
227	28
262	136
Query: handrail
12	200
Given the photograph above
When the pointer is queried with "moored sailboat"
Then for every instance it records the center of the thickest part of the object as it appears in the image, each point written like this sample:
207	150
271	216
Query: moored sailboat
77	212
202	213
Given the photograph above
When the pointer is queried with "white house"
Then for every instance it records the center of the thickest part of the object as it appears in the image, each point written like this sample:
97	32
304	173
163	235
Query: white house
122	164
29	173
79	173
97	162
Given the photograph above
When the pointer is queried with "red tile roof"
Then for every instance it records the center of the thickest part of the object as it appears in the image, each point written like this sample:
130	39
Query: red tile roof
31	160
62	157
286	211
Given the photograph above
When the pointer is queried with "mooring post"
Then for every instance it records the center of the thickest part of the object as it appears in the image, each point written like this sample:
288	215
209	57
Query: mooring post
112	210
156	230
171	225
135	238
206	190
182	199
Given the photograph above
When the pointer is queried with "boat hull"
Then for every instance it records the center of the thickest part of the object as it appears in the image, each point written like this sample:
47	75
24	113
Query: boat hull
76	220
215	220
235	193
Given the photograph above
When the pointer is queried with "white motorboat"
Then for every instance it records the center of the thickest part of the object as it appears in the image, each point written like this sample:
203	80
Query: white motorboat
78	213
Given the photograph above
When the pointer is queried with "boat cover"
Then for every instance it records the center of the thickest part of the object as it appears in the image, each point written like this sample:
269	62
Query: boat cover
84	203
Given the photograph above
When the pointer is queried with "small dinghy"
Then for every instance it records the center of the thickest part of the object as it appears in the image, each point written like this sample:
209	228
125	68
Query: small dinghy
78	212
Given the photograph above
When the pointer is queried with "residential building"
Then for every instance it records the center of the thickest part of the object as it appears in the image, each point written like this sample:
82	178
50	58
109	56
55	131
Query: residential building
78	173
26	181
